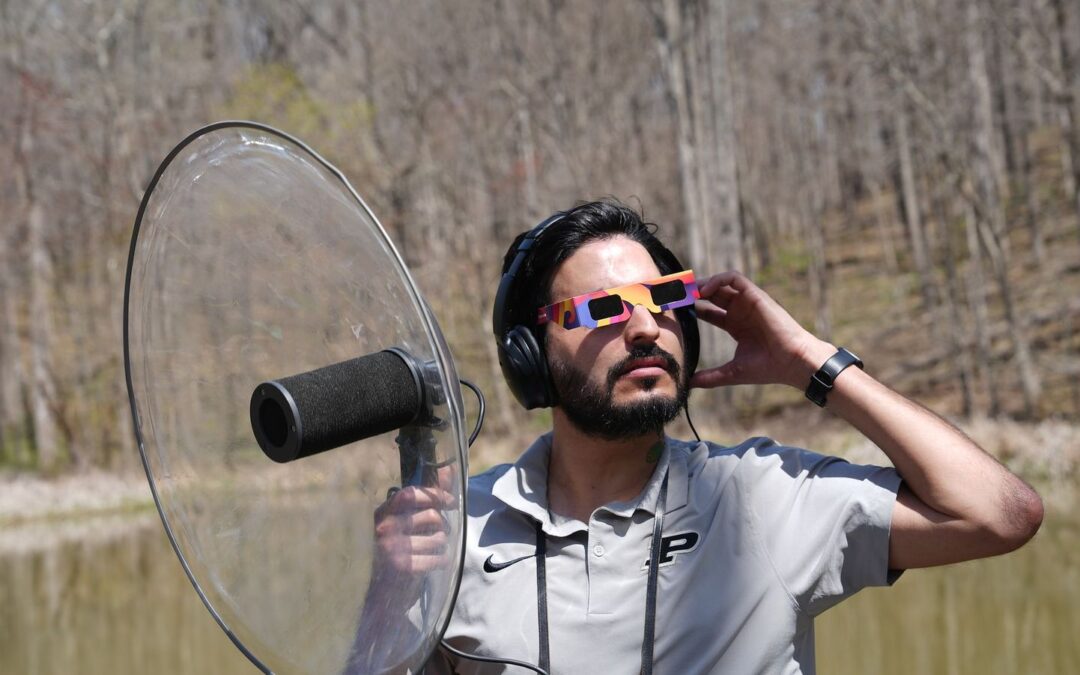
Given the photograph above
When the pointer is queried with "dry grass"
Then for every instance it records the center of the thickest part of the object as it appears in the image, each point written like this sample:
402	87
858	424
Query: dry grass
1045	453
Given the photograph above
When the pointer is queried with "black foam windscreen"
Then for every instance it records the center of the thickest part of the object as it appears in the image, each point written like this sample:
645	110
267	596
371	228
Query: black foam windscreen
329	407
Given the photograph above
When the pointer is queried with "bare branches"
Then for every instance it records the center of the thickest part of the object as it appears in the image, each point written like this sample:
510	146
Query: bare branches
798	138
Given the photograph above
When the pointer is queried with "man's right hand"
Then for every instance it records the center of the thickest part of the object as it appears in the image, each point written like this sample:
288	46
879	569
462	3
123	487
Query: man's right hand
412	530
412	538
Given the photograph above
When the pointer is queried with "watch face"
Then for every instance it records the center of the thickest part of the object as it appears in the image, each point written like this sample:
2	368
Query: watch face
854	357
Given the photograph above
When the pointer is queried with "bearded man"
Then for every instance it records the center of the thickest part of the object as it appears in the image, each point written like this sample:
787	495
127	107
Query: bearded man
608	547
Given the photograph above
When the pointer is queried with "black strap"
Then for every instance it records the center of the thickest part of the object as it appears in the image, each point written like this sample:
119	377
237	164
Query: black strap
650	589
821	382
541	597
654	576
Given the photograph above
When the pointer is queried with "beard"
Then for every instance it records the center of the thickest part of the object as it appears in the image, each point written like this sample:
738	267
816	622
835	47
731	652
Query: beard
592	408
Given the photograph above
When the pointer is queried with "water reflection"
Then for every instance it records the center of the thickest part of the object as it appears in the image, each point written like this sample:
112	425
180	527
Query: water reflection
1018	613
107	595
104	595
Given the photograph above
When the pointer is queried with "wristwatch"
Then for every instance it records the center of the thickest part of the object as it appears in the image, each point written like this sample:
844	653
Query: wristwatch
821	382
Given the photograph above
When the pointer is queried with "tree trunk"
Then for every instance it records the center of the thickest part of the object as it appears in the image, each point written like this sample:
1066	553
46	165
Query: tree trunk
1068	48
952	315
913	210
668	22
691	41
9	356
42	390
976	292
1032	210
987	168
818	273
728	228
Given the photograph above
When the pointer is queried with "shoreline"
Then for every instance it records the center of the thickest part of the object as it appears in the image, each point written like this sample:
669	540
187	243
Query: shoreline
30	498
1046	453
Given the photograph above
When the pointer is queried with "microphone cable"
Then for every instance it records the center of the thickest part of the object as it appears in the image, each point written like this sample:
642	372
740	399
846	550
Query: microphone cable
444	643
476	429
480	414
488	659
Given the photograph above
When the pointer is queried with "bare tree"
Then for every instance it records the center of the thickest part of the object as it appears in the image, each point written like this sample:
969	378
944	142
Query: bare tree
906	154
988	169
1066	39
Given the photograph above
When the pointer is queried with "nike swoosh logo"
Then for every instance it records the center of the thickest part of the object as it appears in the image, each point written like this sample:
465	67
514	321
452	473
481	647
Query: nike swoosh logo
491	566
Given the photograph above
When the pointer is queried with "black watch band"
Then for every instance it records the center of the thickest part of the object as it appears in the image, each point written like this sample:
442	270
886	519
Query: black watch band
821	382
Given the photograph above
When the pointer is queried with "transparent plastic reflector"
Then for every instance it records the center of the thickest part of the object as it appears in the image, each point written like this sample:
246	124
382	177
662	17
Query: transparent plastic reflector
252	259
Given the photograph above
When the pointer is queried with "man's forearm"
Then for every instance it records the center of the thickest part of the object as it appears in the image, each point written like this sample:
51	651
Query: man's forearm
941	466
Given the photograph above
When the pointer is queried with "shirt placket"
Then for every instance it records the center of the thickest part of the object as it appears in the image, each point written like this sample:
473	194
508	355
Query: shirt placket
610	564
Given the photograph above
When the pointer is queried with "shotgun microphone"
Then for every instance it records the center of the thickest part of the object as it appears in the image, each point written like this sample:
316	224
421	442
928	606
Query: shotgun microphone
305	414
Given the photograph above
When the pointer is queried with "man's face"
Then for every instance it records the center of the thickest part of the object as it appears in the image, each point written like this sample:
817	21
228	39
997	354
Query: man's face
622	380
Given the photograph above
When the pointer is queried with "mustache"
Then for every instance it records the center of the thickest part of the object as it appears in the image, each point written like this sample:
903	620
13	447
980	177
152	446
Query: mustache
644	352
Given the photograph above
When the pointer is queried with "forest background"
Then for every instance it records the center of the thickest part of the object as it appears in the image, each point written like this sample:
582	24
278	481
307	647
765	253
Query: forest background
904	176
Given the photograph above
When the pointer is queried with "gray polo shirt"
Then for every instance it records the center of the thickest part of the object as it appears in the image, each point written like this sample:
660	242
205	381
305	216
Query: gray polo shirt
758	540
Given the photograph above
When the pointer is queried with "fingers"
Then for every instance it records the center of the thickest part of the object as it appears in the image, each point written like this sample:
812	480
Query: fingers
726	375
412	541
432	544
408	523
414	498
413	556
412	529
730	282
446	477
707	311
416	564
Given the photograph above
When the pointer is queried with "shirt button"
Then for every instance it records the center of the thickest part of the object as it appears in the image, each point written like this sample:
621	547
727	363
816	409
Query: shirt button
598	550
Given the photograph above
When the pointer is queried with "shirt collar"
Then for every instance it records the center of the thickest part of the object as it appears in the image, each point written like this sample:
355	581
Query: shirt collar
524	487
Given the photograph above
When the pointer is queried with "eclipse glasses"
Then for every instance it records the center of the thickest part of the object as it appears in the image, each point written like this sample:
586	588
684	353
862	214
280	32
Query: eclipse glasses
615	305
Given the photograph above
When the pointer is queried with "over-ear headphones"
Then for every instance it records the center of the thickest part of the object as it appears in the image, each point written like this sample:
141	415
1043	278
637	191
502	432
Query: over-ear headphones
521	351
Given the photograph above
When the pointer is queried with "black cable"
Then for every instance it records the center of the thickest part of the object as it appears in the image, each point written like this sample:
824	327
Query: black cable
445	644
480	415
488	659
686	409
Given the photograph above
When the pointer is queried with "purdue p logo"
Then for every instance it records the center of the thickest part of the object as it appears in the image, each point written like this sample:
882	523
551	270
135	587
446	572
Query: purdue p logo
672	546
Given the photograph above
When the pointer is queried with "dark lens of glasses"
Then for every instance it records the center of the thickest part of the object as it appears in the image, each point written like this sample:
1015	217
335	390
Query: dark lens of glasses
669	291
606	307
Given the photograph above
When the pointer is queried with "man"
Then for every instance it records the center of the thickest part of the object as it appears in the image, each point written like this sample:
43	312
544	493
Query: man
610	548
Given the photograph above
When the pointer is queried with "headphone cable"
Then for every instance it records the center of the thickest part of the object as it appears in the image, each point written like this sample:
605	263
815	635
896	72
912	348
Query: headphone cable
686	409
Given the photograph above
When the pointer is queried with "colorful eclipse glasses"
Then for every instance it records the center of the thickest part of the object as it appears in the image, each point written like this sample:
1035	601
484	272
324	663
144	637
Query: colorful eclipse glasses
615	305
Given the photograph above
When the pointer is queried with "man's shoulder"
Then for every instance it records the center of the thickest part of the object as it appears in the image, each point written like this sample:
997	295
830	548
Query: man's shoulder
481	491
754	462
765	467
482	483
756	452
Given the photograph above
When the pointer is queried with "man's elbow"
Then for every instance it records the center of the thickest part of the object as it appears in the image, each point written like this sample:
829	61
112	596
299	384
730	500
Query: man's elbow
1019	517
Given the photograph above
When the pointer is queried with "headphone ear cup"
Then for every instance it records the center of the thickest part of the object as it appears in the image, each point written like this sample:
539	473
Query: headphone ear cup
545	388
525	368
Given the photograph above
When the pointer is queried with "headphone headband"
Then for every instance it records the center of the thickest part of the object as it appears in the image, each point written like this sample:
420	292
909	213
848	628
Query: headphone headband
498	314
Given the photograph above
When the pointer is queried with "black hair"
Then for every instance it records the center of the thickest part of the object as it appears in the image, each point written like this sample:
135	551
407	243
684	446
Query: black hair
592	221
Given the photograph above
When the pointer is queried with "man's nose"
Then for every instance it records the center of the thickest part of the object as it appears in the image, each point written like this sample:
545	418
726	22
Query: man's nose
641	327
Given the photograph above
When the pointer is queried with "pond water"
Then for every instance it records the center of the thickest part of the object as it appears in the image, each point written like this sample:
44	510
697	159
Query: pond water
107	595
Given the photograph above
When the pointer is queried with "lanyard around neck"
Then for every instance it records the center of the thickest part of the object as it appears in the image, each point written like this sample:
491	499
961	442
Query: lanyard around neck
650	589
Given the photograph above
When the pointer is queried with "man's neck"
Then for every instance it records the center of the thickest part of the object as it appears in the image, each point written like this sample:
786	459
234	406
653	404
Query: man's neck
586	472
